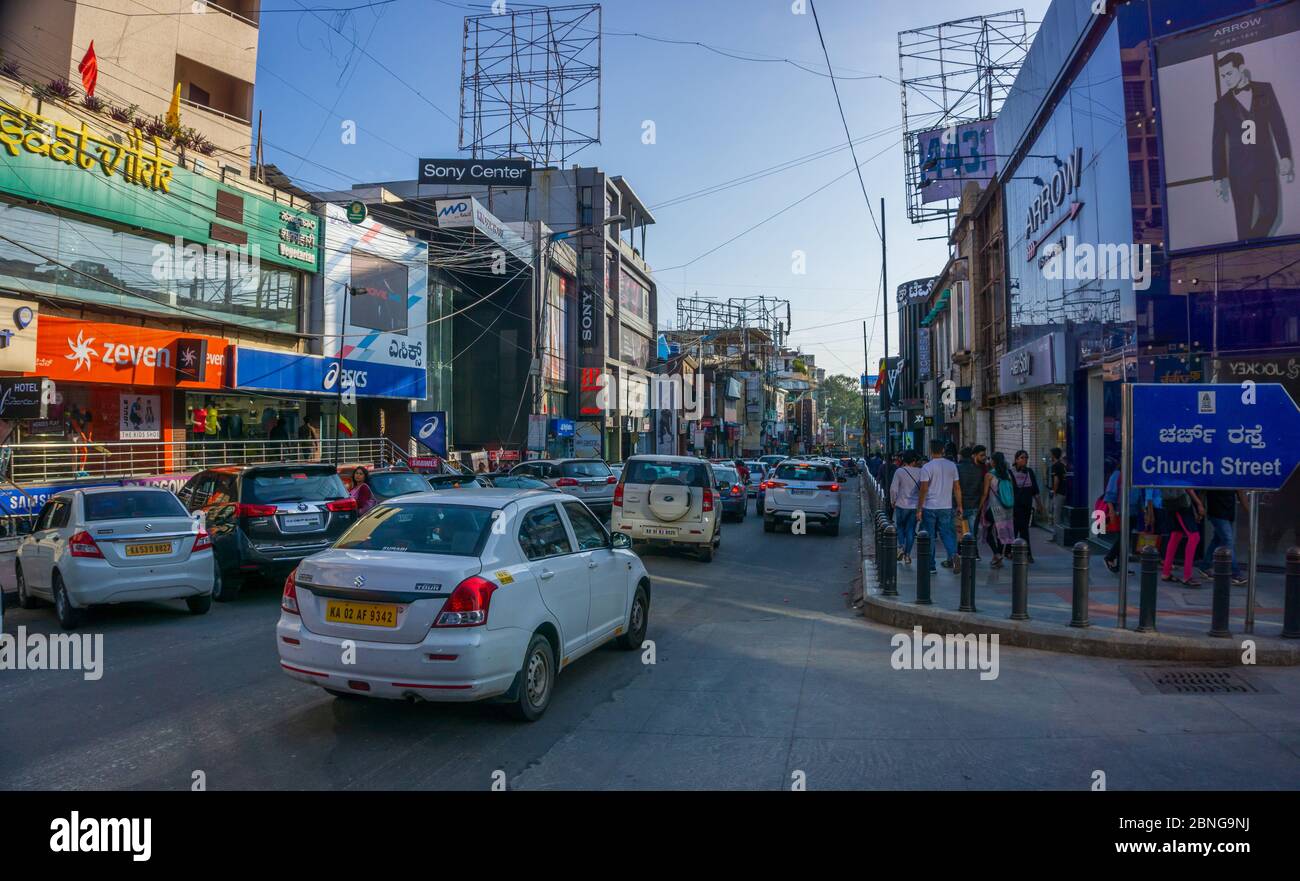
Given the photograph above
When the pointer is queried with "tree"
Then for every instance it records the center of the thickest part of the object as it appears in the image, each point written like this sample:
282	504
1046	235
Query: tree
842	400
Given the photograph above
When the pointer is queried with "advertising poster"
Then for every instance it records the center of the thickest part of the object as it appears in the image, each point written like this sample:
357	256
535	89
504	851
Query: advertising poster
139	417
1229	110
430	429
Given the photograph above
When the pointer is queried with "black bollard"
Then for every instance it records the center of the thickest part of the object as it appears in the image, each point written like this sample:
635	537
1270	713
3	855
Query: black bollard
889	574
1220	603
1079	601
1291	605
1150	579
966	552
924	556
878	528
1020	580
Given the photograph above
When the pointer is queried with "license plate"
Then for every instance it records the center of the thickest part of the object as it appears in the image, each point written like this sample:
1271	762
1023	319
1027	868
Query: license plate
659	530
302	520
802	492
149	550
368	614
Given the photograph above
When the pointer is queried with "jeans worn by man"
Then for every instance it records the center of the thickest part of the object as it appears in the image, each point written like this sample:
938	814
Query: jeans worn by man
971	516
1225	535
938	523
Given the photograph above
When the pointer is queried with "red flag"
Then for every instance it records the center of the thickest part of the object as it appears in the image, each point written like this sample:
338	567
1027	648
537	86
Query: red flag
89	68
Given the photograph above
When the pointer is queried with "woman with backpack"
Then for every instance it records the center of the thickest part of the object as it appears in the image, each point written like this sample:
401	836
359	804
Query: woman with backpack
1183	513
999	500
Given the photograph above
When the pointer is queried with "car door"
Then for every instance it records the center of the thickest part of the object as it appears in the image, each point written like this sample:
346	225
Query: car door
54	539
32	553
607	572
561	574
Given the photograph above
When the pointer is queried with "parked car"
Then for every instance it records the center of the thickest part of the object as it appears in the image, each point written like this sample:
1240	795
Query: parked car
442	604
669	500
263	519
588	479
91	547
457	481
731	492
387	483
772	460
519	481
802	486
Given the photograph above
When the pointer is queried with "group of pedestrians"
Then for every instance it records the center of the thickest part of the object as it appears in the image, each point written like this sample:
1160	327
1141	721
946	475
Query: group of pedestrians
954	492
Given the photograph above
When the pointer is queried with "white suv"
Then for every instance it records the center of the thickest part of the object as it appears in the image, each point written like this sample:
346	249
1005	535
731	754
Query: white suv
802	485
670	500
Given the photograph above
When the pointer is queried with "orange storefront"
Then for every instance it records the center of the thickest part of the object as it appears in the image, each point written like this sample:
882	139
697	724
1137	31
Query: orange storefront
118	383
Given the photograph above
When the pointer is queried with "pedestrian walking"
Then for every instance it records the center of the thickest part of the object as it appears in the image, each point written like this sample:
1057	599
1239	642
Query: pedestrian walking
940	494
998	499
1059	479
1027	498
970	474
1221	511
904	495
1135	509
1183	515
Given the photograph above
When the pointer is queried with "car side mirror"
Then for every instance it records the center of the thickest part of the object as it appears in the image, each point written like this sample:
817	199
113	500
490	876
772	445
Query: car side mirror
620	541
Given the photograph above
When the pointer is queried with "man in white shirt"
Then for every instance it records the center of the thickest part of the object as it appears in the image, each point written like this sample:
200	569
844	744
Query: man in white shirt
940	493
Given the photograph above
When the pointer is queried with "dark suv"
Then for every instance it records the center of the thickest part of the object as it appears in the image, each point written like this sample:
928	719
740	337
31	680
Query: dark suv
263	519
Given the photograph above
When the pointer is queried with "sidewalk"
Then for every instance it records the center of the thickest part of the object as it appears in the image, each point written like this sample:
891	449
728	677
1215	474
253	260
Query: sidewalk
1183	614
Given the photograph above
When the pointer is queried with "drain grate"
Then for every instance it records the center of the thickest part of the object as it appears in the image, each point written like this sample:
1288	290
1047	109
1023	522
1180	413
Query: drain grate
1178	680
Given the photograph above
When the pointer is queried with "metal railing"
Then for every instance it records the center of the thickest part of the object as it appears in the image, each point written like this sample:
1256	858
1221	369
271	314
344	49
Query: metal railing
34	464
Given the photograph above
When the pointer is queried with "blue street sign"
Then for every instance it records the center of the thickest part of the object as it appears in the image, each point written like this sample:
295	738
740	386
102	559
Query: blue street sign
1224	436
430	429
563	427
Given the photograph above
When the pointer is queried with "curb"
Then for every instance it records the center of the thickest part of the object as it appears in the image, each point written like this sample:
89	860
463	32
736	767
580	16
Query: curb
1105	642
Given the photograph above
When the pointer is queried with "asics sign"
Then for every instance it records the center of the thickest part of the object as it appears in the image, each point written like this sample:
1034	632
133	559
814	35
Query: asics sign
430	429
351	378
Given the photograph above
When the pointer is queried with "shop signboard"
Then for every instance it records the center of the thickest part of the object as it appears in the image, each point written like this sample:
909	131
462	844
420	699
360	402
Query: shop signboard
25	397
384	276
586	440
135	184
1033	365
468	213
477	172
89	351
19	324
266	370
139	417
949	157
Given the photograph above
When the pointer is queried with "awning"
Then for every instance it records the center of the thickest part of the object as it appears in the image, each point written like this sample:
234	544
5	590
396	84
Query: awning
939	305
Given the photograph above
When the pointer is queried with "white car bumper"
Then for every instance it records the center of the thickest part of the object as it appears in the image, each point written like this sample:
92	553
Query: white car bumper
449	664
94	582
693	533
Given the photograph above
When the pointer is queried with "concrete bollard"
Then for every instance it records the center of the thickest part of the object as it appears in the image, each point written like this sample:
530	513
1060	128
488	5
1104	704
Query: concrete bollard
1291	605
1020	580
966	552
1221	602
924	558
889	572
1150	579
1079	599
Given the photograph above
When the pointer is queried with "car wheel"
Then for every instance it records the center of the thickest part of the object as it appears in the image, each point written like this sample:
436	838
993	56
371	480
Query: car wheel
637	622
25	600
199	605
705	553
769	525
536	680
69	617
225	589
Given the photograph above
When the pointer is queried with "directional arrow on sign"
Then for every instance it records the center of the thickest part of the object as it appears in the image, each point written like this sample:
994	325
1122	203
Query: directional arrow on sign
1217	436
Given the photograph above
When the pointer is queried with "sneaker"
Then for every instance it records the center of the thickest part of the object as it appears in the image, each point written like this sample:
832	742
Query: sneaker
1239	580
947	564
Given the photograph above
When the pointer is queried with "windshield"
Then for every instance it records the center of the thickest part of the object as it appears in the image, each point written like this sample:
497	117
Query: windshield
651	471
725	477
132	505
396	483
292	485
520	482
804	472
453	481
456	530
585	469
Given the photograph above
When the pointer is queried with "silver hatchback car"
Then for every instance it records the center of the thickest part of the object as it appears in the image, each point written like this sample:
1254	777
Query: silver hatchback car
114	545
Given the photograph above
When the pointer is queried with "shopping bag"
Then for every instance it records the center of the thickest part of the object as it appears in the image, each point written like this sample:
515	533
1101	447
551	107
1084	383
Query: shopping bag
962	527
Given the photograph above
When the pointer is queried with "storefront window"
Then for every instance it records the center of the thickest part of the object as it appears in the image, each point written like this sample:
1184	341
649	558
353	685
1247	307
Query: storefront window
65	257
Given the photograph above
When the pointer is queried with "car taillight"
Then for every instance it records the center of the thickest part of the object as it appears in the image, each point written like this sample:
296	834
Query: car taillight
82	545
708	500
243	510
289	599
833	487
202	542
341	505
735	489
468	604
611	479
618	496
775	484
566	481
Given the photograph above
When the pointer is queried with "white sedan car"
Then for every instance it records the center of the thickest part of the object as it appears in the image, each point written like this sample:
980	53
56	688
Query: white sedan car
114	544
461	597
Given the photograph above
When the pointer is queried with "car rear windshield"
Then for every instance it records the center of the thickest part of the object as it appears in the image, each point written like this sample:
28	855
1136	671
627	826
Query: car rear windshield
454	481
292	485
804	472
651	471
415	528
585	469
725	476
131	505
397	483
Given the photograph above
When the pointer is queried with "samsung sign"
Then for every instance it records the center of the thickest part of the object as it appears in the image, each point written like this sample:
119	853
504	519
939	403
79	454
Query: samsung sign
484	172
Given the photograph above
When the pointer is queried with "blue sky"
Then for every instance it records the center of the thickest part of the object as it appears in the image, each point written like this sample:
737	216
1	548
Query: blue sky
715	119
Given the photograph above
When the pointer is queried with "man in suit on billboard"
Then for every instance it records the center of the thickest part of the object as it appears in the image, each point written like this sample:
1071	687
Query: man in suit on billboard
1251	148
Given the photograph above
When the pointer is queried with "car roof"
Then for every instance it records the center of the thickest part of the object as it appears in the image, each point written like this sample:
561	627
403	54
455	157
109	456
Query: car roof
100	490
488	497
662	457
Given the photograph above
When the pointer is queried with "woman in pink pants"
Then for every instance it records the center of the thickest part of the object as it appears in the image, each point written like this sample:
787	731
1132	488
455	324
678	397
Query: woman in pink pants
1183	521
